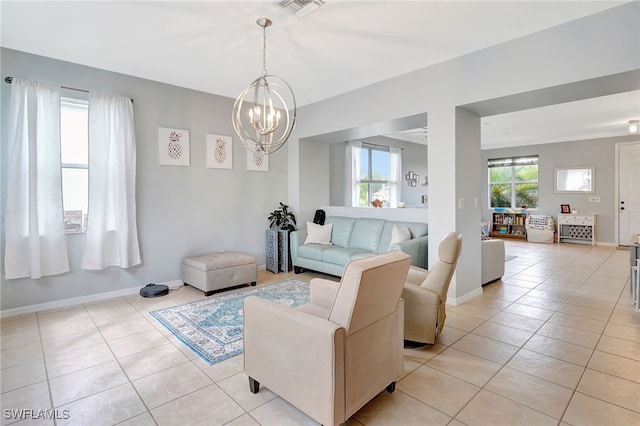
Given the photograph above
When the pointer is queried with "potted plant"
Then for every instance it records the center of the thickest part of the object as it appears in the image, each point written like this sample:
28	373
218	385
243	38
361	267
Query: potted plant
281	223
282	218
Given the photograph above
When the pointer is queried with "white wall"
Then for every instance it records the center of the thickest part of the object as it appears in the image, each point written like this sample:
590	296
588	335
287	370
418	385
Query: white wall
400	215
595	47
181	210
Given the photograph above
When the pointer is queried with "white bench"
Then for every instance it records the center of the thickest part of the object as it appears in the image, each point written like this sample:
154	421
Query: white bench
218	271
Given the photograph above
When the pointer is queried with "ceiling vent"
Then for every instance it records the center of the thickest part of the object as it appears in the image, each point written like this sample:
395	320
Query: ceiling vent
298	8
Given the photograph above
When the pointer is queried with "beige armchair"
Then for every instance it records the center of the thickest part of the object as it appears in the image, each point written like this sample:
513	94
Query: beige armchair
333	355
425	294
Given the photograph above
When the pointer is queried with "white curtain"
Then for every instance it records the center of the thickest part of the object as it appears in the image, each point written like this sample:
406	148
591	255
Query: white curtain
352	196
35	243
395	185
112	234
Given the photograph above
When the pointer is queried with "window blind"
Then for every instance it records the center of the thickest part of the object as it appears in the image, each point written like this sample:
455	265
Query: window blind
513	161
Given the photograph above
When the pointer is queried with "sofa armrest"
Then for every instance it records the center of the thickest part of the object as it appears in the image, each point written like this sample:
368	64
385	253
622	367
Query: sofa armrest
492	260
296	239
283	345
417	248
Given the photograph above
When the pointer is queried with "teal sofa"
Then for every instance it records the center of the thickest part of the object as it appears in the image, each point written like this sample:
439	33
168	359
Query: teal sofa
356	238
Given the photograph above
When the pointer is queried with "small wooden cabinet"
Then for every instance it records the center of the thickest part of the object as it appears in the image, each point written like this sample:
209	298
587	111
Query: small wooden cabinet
577	228
509	225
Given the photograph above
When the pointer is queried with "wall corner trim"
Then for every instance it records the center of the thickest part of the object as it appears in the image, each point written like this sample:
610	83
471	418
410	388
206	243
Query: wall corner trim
465	297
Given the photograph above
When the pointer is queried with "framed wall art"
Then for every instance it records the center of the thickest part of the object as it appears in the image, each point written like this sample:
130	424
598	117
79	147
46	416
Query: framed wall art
257	161
219	152
173	147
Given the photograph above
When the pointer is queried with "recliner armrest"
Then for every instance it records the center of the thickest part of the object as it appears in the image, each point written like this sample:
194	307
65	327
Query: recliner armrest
416	275
414	294
323	292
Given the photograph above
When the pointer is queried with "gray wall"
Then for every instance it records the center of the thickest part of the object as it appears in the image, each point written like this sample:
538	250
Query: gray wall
315	177
181	210
468	166
595	152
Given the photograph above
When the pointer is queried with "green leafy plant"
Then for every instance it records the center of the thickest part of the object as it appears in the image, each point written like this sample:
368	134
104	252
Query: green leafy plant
282	218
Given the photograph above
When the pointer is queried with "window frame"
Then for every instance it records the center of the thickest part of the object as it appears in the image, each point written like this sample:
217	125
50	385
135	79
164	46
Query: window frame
77	101
370	181
513	163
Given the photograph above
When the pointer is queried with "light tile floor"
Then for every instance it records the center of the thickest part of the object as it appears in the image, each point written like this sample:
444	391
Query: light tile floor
555	342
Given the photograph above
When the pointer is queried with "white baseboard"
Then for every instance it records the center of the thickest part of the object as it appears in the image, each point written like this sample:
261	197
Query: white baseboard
65	303
464	298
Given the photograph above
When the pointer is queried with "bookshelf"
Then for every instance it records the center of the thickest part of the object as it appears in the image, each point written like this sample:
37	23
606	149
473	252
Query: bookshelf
509	225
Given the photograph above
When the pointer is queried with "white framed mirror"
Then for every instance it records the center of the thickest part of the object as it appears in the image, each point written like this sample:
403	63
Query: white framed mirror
579	180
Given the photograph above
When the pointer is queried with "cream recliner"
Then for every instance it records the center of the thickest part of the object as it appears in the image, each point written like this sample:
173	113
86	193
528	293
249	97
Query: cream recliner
333	355
425	294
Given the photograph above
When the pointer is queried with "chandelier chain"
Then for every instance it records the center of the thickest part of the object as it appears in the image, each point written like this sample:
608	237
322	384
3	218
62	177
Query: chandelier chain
264	50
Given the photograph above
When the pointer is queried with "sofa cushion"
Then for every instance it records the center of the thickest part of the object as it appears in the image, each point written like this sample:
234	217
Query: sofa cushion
399	234
366	234
362	255
312	251
417	230
342	228
340	255
318	234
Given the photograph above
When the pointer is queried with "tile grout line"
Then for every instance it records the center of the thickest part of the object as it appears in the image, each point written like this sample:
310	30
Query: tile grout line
130	382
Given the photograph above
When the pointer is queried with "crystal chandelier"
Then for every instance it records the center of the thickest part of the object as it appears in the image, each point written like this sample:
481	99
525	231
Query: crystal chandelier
265	112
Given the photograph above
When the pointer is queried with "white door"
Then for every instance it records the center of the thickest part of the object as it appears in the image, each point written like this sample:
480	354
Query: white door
629	192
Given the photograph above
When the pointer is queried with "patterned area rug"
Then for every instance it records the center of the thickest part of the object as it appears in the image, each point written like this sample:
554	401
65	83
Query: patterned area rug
213	327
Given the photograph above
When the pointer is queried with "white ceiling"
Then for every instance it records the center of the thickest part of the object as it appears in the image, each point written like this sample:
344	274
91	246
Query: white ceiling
216	47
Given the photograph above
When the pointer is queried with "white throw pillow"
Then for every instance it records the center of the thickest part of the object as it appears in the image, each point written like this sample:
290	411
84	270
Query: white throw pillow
399	234
318	234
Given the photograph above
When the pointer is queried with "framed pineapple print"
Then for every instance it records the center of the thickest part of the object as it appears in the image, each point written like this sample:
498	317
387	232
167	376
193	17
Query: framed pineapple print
219	152
173	148
257	161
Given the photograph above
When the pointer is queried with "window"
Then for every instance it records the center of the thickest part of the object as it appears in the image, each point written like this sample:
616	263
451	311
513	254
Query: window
74	140
375	175
513	182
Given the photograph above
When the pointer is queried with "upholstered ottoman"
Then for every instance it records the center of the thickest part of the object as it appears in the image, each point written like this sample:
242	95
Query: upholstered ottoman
217	271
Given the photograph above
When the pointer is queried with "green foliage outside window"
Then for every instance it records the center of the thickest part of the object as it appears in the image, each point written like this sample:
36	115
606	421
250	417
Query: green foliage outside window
514	186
